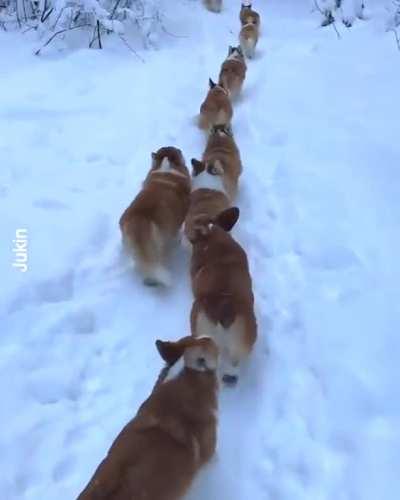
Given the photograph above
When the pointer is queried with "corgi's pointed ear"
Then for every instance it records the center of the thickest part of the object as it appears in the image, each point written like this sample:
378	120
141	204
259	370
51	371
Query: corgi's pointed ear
169	351
172	351
153	155
198	167
227	219
230	50
211	83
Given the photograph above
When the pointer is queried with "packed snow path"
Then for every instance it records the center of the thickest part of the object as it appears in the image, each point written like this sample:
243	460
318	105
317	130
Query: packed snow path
316	414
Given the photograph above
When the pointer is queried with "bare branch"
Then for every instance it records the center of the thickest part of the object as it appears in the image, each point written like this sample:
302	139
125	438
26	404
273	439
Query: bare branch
396	35
164	29
131	49
59	33
336	30
114	9
318	7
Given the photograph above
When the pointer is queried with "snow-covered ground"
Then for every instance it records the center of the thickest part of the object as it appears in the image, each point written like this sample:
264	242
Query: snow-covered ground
317	412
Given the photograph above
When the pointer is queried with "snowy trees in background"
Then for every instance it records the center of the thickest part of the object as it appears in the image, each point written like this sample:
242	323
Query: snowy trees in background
143	20
393	23
52	18
346	11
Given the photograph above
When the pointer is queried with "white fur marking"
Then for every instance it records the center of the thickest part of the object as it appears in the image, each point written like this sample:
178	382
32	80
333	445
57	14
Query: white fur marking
175	370
229	342
165	165
205	180
235	55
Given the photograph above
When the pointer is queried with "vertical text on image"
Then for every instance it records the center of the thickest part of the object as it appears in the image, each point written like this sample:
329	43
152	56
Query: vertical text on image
20	250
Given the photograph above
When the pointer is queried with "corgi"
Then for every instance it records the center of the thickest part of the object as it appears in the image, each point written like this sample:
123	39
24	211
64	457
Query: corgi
216	108
248	15
233	71
223	306
158	453
150	225
213	5
208	196
248	39
223	155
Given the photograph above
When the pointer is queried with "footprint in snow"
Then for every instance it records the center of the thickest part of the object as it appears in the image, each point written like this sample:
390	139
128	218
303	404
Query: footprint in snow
93	157
81	321
50	385
278	139
56	290
64	468
100	230
50	204
329	258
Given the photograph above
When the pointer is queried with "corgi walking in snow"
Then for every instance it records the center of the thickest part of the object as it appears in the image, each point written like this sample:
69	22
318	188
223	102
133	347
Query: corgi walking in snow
249	16
208	196
159	452
223	306
213	5
216	108
248	39
250	32
223	156
233	71
151	224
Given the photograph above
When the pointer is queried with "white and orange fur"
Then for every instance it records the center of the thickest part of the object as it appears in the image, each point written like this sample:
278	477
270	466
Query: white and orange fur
248	39
248	15
233	72
208	197
222	153
174	433
216	108
223	306
150	225
213	5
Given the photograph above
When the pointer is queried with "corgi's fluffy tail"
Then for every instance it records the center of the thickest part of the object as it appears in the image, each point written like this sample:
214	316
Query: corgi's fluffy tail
222	118
143	240
157	276
248	46
202	122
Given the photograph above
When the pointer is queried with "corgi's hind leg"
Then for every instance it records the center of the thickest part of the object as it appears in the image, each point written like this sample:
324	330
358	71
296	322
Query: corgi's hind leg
235	351
201	326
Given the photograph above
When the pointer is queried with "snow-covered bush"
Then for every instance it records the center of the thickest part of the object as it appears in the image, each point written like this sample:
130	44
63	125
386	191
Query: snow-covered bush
394	15
393	23
57	17
346	11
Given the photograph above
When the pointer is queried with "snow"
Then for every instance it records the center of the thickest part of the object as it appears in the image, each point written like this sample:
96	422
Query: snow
317	410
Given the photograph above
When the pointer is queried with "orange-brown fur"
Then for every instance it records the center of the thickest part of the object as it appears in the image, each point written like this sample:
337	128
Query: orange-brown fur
205	203
233	72
151	223
223	305
216	108
248	39
158	453
221	148
248	15
213	5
